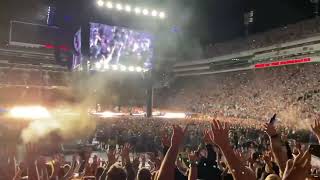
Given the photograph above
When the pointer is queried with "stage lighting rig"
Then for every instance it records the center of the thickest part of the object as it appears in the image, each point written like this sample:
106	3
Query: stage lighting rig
131	9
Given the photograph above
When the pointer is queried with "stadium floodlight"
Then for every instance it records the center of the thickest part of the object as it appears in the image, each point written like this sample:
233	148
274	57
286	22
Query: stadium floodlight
100	3
115	67
128	8
138	69
162	15
98	65
154	13
131	68
137	10
119	7
109	5
145	12
123	68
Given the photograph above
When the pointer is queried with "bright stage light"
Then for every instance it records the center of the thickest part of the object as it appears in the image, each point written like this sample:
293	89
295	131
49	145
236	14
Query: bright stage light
98	65
138	69
123	68
162	15
106	66
109	5
131	68
29	112
128	8
119	7
175	115
115	67
154	13
100	3
137	10
108	114
145	12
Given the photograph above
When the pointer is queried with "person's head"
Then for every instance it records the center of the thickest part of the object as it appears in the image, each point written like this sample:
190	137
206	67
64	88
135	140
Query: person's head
273	177
144	174
116	172
66	168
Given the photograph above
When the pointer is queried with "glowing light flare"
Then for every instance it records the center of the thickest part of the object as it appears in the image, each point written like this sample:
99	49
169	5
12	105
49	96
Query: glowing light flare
162	15
174	115
137	10
128	8
115	67
138	69
100	3
29	112
145	12
106	66
131	68
109	5
123	68
98	65
109	114
154	13
119	7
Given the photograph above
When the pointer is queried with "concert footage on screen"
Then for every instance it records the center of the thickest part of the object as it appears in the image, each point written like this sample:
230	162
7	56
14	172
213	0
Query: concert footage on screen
114	45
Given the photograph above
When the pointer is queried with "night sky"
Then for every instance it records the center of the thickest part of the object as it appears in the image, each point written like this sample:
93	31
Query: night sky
207	20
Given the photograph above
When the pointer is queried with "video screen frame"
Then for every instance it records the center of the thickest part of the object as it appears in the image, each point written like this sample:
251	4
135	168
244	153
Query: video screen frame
115	45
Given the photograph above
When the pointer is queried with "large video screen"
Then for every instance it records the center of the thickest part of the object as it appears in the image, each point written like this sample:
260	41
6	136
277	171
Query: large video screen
113	45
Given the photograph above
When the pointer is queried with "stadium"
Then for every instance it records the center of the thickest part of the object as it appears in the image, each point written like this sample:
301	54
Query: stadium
138	90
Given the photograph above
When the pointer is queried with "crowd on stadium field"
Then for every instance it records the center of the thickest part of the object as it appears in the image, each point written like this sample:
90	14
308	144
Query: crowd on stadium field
284	34
240	143
145	149
291	91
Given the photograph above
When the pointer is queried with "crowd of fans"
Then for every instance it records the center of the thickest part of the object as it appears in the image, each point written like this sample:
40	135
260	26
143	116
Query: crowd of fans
241	142
145	149
12	76
291	32
292	91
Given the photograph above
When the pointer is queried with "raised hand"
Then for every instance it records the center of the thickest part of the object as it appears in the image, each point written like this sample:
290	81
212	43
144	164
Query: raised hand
112	157
316	128
7	163
193	157
136	163
177	136
267	157
299	168
219	134
270	129
32	151
125	152
206	137
165	139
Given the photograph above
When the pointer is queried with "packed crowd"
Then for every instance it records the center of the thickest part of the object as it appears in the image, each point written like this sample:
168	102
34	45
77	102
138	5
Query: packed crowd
20	76
145	149
284	34
291	91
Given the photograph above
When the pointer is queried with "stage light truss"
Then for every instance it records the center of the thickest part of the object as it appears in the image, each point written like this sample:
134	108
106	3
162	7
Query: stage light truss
99	66
132	9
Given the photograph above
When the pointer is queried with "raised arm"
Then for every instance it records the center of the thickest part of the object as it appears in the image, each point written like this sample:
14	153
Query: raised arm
167	169
31	157
219	136
276	146
193	168
126	161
